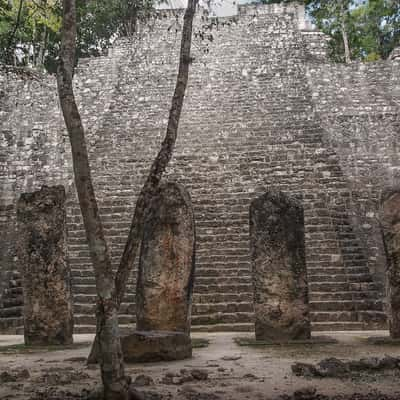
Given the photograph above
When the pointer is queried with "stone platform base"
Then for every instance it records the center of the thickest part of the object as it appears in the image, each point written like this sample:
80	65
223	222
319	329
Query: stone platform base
156	346
243	341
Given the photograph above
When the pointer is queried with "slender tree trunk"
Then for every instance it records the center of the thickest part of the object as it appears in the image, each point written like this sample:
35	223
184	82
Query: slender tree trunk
112	369
158	167
110	291
347	55
42	46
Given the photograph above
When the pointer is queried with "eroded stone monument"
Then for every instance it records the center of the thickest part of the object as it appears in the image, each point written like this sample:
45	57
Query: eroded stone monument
42	256
279	268
165	281
390	223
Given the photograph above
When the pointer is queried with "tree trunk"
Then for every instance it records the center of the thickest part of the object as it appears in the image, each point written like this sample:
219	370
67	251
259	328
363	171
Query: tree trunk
110	292
347	55
112	369
158	167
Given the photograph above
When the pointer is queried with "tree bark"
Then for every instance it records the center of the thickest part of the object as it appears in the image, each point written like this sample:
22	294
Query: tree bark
158	167
347	55
115	382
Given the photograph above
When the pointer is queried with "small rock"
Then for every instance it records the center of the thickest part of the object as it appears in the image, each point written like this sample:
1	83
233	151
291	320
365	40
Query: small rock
6	377
231	358
199	375
305	393
332	367
249	376
143	380
304	369
14	375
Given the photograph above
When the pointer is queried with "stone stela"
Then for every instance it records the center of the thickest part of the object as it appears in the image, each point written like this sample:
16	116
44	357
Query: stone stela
279	268
46	276
390	220
165	282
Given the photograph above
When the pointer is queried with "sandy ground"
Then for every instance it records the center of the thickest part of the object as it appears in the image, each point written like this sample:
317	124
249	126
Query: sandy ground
234	372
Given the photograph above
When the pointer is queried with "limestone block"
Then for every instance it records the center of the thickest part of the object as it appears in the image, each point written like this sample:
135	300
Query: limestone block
166	266
42	256
390	223
156	346
279	268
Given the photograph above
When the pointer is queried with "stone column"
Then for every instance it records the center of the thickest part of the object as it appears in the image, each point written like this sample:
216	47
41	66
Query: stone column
390	223
166	265
279	268
42	257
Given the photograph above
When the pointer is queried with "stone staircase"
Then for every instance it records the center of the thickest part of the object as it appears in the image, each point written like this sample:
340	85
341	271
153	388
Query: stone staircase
343	295
279	144
11	320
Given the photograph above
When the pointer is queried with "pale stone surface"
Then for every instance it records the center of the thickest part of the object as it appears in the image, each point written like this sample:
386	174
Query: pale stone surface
42	255
156	346
279	268
390	222
166	266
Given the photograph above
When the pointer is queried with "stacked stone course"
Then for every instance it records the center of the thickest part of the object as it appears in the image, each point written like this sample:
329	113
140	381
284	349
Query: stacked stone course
263	110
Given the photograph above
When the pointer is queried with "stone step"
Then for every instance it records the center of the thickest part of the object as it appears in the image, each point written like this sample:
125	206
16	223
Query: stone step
337	270
224	288
90	308
339	278
341	286
11	312
342	326
13	302
124	328
213	308
236	327
86	319
91	289
349	316
346	305
227	280
222	318
90	298
344	295
207	298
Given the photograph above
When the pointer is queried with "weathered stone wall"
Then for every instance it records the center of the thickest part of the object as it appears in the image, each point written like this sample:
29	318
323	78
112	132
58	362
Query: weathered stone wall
358	106
33	152
252	120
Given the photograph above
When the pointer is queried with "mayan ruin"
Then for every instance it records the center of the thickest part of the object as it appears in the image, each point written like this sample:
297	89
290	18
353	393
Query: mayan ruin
277	218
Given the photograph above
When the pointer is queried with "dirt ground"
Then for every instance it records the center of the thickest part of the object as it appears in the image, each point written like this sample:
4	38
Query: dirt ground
226	371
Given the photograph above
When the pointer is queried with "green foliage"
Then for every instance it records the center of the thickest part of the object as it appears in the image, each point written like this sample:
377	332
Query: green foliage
372	26
31	33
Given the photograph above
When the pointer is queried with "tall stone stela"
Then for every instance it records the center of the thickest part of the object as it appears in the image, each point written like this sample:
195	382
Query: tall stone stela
42	257
390	223
166	265
278	268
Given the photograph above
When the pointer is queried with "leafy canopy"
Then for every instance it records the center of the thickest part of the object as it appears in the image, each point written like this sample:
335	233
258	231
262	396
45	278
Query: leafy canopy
372	26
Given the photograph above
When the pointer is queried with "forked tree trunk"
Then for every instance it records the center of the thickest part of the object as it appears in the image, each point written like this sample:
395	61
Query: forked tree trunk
158	167
112	368
110	291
